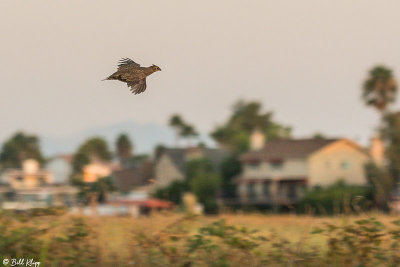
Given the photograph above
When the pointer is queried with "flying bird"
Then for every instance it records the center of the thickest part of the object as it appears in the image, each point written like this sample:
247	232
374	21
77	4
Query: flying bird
133	74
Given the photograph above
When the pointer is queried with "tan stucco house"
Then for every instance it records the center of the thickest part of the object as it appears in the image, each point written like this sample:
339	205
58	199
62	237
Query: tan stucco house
280	171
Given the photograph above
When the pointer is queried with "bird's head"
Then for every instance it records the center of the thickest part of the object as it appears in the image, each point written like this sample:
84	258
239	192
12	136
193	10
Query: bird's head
155	68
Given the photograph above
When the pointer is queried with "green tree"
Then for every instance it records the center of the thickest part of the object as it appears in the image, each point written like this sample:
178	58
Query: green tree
382	182
205	185
124	148
188	132
18	148
387	178
173	192
204	182
195	166
245	118
182	128
101	188
231	167
79	161
176	122
379	89
391	135
93	148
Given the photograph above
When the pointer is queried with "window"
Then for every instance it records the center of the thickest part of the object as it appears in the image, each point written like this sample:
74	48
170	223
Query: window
292	191
266	190
10	196
345	165
253	164
276	164
251	190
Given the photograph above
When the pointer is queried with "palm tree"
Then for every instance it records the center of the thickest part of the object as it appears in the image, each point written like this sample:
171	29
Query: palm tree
176	122
380	89
124	148
189	132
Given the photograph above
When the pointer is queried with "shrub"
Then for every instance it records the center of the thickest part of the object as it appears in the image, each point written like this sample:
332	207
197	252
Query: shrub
73	247
361	243
205	186
173	192
338	198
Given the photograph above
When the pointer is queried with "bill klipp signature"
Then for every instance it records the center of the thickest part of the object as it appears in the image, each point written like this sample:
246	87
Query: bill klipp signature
21	262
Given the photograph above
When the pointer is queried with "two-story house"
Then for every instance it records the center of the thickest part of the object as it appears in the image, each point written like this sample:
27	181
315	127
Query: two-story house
33	187
279	172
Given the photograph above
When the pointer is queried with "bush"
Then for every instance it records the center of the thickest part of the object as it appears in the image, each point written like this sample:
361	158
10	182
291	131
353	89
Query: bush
173	192
365	242
230	167
361	243
205	186
49	240
194	166
337	198
187	241
382	184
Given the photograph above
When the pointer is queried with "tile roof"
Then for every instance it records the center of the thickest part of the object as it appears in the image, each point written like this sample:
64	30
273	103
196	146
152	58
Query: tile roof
178	157
287	148
126	179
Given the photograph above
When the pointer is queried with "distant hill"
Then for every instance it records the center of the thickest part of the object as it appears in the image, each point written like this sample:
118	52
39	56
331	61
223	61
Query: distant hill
144	136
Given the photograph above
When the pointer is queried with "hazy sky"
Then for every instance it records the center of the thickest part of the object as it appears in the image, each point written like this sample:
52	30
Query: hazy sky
305	60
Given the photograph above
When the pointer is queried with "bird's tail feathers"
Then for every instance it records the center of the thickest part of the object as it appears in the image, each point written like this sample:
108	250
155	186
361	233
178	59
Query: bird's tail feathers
113	76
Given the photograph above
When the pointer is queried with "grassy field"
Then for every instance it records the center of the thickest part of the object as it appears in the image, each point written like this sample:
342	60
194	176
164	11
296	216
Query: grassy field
294	228
172	239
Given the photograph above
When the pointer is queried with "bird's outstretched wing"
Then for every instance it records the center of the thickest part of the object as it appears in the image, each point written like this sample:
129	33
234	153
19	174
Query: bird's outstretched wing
127	62
137	87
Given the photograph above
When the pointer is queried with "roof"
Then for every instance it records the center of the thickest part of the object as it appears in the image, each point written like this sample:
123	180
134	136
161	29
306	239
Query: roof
287	148
126	179
148	203
180	156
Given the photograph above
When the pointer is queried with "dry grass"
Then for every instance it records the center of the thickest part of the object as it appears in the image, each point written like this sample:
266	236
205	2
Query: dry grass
115	233
117	244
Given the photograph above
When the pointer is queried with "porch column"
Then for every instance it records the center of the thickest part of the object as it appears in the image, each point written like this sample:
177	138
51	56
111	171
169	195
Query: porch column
274	190
242	191
259	188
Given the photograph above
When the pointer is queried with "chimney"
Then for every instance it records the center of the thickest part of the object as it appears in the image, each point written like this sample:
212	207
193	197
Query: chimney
377	150
257	140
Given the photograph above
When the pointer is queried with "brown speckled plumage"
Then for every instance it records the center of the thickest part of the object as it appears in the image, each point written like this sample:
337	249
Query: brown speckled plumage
133	74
